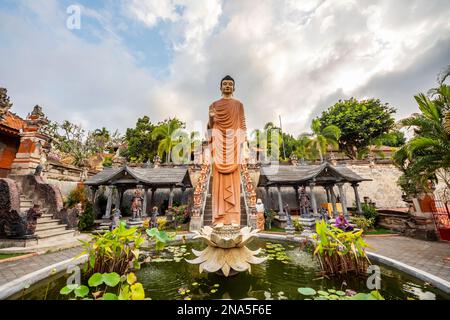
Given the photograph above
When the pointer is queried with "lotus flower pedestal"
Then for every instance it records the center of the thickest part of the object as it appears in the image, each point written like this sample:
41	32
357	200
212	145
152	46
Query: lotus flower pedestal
226	252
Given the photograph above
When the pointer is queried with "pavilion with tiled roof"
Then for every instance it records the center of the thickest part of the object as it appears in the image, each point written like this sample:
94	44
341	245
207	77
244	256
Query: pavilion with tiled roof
325	175
149	178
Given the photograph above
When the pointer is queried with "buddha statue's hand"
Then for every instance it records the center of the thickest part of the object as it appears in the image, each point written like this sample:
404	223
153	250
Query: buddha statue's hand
212	114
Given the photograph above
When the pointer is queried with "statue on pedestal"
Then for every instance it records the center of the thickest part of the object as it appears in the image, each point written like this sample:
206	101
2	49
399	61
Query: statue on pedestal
226	135
136	205
305	203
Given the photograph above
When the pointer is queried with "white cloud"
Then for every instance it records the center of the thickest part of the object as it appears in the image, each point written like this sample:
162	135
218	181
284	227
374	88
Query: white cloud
293	58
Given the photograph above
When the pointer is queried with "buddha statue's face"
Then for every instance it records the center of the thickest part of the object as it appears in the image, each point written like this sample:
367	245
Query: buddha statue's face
227	87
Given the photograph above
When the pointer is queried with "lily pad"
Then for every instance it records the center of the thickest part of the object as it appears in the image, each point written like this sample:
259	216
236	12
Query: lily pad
306	291
323	293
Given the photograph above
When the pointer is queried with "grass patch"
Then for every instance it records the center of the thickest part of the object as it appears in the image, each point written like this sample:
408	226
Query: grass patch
4	256
276	229
379	231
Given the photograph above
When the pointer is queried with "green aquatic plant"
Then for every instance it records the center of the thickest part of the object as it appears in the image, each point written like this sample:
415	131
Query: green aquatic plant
126	288
340	252
114	251
332	294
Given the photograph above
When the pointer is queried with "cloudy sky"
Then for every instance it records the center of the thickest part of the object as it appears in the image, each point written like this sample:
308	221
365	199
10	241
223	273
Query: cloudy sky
165	58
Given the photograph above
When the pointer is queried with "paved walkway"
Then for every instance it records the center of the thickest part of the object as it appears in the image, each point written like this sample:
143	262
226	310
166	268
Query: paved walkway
429	256
15	269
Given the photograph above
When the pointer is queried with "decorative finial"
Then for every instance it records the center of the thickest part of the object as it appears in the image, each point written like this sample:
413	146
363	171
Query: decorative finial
5	104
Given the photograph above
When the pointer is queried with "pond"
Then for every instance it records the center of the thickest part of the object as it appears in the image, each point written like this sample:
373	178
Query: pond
289	267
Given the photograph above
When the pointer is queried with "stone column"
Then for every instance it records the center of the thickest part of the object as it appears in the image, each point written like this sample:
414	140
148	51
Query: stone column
313	197
297	197
171	197
327	189
183	195
268	204
357	199
94	190
333	202
120	192
144	202
152	199
343	198
280	201
109	203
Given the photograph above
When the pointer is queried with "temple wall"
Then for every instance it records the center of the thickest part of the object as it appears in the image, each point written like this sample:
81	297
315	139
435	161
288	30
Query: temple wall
8	149
66	177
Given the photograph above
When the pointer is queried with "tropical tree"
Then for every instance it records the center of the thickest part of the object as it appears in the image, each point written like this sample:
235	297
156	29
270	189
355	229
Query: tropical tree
360	123
427	155
323	138
302	149
141	146
73	141
168	136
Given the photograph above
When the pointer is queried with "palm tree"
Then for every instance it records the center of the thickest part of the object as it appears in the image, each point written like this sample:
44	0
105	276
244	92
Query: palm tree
323	138
302	149
166	133
427	155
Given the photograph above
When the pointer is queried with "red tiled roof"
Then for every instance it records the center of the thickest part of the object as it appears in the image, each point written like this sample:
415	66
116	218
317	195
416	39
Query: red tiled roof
12	122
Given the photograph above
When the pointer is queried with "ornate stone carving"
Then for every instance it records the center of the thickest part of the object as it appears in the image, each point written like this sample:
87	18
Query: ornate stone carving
5	104
16	226
156	162
136	205
226	253
37	117
294	159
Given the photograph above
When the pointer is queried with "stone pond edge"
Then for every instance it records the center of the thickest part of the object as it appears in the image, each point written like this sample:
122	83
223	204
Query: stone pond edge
28	280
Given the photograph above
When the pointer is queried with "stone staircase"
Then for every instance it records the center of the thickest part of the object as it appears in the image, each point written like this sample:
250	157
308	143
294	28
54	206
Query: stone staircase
47	228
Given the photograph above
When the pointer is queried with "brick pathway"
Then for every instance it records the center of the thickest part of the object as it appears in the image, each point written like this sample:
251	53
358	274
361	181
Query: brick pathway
428	256
15	269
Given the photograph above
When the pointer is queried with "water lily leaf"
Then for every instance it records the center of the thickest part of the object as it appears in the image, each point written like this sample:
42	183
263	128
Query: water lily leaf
331	291
81	291
65	291
306	291
131	278
137	292
124	293
323	293
111	279
333	297
110	296
340	293
95	280
321	298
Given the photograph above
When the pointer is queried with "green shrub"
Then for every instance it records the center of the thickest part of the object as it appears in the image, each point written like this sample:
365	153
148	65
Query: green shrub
369	210
297	225
87	219
77	195
363	222
107	163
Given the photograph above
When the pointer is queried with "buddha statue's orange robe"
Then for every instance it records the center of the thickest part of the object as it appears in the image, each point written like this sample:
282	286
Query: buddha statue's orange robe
226	135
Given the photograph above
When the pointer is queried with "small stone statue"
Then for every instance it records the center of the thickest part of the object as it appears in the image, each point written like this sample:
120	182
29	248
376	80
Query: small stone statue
294	159
136	205
305	203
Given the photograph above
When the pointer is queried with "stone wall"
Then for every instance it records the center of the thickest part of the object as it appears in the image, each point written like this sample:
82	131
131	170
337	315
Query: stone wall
65	177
